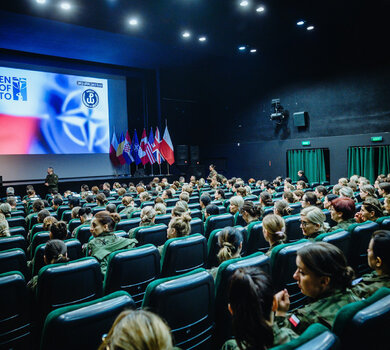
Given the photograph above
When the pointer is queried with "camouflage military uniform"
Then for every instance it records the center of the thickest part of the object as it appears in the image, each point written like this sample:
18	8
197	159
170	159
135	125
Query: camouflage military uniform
141	224
370	283
4	227
322	311
102	246
272	246
281	336
128	211
344	224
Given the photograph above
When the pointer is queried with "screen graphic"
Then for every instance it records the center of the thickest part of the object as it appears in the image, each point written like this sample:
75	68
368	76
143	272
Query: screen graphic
50	113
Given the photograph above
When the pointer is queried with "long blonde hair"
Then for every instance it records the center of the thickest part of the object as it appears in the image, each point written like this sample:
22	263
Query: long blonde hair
138	330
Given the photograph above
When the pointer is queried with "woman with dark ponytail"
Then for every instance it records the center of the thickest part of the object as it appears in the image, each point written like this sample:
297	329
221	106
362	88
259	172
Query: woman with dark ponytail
252	304
251	212
323	275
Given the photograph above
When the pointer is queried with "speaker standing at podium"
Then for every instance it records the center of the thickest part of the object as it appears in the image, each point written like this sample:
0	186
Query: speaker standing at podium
51	180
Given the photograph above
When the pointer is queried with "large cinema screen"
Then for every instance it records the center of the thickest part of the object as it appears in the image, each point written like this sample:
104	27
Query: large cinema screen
51	113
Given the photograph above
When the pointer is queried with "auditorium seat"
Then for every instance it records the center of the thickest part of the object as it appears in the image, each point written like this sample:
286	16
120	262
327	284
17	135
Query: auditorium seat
384	222
329	218
15	315
197	225
221	209
223	329
136	214
194	206
147	203
170	202
217	221
121	233
163	219
38	239
18	230
360	237
17	241
268	210
14	260
66	216
186	302
296	208
17	213
194	199
132	270
183	254
16	221
82	326
156	234
97	209
256	240
293	227
36	228
73	224
61	209
340	238
283	265
365	324
196	213
83	233
314	184
315	337
127	224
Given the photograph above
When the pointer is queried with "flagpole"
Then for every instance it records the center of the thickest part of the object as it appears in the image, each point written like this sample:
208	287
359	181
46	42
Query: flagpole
168	168
160	167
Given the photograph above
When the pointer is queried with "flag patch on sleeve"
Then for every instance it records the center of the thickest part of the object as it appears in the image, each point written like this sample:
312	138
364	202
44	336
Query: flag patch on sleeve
294	320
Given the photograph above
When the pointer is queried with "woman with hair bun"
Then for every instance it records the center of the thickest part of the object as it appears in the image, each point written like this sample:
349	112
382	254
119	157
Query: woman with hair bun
342	211
274	231
251	212
313	222
371	209
101	200
252	304
148	216
323	275
282	208
104	241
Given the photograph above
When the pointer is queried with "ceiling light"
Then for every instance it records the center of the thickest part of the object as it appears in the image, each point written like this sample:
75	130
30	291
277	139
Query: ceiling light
244	3
41	1
300	23
186	34
310	28
253	50
65	5
242	48
260	9
202	38
133	21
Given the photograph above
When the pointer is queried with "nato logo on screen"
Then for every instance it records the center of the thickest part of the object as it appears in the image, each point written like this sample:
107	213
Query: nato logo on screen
19	89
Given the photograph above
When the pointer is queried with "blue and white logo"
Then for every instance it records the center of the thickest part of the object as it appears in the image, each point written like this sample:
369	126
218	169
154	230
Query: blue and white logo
90	98
19	89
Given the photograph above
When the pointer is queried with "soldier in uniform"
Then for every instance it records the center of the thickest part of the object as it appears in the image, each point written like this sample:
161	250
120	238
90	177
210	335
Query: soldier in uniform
378	256
51	180
323	275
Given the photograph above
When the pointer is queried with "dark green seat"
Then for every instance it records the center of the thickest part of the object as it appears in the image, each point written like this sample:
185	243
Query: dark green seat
296	208
36	228
17	241
16	221
14	260
283	267
183	254
315	337
194	206
83	233
196	213
156	234
17	213
96	209
293	227
67	284
384	222
73	224
238	219
15	315
38	239
329	218
340	238
186	302
82	326
221	209
132	270
61	209
147	203
136	215
197	226
365	324
66	216
163	219
256	240
127	224
223	329
360	237
217	221
18	230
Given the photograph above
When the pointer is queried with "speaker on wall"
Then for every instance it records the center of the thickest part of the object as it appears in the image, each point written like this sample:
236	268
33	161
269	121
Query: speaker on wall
301	119
181	154
194	154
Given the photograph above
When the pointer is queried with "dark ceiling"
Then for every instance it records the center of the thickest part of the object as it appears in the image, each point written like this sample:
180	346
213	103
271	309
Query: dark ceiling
342	28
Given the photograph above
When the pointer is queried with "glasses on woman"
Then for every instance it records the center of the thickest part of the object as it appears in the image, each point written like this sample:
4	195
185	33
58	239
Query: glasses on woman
305	223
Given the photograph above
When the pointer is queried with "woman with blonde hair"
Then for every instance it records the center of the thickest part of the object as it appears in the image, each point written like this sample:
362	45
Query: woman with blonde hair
274	231
148	216
313	222
160	209
282	208
138	330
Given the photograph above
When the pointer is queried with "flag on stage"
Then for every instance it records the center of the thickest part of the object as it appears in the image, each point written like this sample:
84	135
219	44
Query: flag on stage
156	147
135	148
127	149
113	148
149	147
119	150
166	147
144	141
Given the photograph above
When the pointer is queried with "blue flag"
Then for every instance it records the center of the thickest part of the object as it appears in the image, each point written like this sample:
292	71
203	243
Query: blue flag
135	148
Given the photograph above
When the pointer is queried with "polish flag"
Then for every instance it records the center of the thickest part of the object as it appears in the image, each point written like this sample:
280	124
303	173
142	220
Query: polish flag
166	147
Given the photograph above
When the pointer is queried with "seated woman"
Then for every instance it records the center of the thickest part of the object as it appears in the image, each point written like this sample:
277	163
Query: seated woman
298	194
252	304
323	275
37	206
47	222
128	202
346	192
148	216
274	231
236	203
111	208
55	252
138	330
313	222
104	241
4	227
5	209
370	210
85	214
219	195
251	212
101	200
265	199
310	199
342	211
145	197
378	257
386	205
211	209
328	199
230	242
59	230
160	209
367	191
282	208
288	196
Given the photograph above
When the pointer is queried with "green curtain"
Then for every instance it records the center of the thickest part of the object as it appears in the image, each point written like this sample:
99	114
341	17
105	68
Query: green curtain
312	162
361	161
384	160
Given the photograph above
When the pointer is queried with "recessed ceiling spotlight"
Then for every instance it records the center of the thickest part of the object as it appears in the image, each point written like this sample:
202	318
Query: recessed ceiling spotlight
186	34
133	21
300	23
65	6
242	48
260	9
202	38
253	50
310	28
41	1
244	3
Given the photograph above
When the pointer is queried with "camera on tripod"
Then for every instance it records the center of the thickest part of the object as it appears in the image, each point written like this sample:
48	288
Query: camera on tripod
279	114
